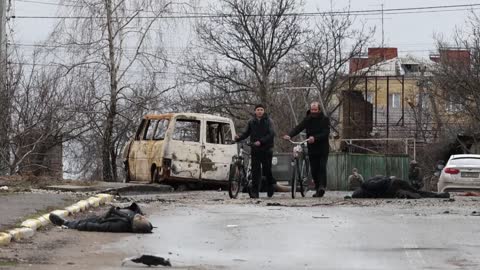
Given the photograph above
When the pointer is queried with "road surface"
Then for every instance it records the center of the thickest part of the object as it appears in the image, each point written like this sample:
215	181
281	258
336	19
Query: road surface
217	233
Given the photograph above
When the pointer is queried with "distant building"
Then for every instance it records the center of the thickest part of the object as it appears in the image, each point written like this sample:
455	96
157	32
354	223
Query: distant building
401	92
40	157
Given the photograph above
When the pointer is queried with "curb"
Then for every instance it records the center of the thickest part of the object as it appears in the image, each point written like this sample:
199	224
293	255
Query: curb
30	226
5	239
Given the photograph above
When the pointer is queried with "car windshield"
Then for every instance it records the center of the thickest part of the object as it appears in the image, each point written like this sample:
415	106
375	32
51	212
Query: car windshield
465	161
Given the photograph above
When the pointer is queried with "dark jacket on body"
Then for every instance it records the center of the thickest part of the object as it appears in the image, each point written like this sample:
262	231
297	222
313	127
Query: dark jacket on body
115	220
259	130
386	187
318	126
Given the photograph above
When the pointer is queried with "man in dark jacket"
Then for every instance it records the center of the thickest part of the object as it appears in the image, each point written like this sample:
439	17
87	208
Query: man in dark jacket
128	219
391	187
317	126
414	175
260	131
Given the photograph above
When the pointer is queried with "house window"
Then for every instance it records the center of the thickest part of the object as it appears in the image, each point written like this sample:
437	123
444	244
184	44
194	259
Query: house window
454	104
425	101
219	133
395	100
370	97
187	130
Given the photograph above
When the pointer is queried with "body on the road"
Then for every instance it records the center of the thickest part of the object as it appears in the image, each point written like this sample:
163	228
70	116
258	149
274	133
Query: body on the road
128	219
260	131
317	127
390	187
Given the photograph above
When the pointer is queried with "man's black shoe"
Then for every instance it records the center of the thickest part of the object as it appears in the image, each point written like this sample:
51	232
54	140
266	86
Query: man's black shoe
57	220
254	195
271	191
320	192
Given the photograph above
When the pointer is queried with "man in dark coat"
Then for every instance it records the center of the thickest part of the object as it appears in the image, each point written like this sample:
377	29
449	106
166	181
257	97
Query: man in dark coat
391	187
128	219
317	126
260	131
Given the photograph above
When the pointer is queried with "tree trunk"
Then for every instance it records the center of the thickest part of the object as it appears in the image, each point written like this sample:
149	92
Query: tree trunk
263	91
4	128
437	117
113	156
107	161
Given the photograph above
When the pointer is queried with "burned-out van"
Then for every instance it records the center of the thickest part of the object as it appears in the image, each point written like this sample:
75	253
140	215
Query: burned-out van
180	147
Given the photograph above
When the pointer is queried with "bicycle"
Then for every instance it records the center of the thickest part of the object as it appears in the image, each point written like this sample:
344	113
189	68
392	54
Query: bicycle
301	168
240	176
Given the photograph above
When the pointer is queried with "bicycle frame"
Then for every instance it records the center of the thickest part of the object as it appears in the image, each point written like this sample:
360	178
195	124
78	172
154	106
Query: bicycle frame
300	162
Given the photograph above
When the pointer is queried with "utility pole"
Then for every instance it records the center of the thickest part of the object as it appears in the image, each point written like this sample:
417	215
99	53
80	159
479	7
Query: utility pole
383	31
421	85
4	95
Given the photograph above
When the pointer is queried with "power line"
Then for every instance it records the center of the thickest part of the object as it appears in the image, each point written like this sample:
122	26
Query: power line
367	12
47	3
79	6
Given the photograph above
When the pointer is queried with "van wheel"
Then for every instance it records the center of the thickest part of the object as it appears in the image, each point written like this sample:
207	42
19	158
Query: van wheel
155	175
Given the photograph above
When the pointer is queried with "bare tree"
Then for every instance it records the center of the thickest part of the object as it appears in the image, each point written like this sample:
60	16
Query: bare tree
115	42
323	60
42	115
457	75
5	121
242	46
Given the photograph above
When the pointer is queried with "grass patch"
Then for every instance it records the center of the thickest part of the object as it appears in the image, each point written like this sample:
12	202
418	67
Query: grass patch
4	263
37	214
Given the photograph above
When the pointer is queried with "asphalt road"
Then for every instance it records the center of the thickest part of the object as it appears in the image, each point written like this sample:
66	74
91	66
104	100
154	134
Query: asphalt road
263	237
206	230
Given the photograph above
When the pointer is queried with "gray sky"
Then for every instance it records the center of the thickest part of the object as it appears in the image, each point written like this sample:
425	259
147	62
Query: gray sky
411	33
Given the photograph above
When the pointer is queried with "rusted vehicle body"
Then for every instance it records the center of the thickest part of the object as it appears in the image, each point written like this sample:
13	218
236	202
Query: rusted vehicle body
181	147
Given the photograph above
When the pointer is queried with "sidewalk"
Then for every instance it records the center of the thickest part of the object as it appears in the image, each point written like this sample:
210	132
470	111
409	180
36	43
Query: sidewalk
105	187
15	207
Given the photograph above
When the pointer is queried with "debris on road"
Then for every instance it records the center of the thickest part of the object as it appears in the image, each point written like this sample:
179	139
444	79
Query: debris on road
475	214
275	204
148	260
4	188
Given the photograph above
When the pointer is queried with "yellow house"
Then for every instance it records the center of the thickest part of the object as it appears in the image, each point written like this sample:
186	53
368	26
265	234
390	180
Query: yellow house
405	103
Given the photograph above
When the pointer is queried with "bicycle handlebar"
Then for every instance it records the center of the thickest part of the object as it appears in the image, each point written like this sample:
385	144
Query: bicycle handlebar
248	143
298	143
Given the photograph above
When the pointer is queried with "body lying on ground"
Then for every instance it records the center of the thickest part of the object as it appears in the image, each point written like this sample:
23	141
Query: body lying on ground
127	219
391	187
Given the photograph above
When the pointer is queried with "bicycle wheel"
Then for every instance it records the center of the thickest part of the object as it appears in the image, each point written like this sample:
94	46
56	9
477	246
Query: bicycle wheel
294	179
301	178
235	181
304	178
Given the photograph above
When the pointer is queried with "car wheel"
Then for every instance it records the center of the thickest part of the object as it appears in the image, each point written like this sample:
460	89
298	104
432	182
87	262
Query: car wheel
155	175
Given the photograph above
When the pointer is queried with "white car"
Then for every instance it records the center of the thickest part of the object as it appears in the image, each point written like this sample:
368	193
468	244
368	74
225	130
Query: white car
461	173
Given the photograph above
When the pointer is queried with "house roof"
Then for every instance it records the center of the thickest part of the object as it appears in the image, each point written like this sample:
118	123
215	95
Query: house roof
395	67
